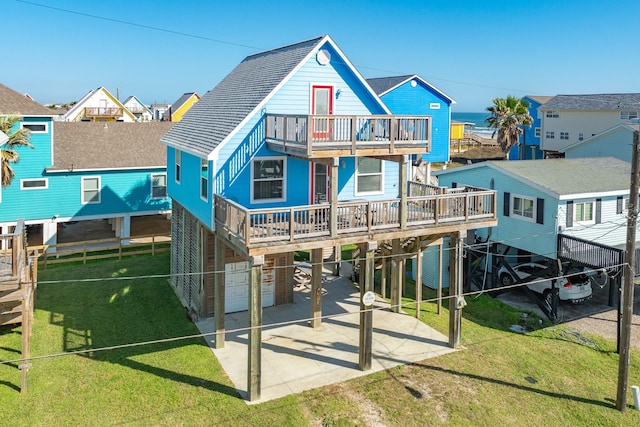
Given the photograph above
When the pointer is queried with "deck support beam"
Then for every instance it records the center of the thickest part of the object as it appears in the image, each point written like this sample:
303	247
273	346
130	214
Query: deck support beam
367	268
418	276
396	276
255	328
316	287
219	292
402	184
456	300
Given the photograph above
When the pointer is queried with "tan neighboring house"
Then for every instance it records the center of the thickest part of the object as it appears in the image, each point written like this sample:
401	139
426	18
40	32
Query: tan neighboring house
99	105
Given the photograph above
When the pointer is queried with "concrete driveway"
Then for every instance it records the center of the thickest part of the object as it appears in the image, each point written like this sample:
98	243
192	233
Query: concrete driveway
296	357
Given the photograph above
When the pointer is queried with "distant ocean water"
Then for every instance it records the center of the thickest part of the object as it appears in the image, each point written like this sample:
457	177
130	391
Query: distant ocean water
478	119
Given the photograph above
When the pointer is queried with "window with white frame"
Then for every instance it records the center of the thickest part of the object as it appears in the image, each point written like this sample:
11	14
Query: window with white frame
178	160
552	114
158	186
90	190
34	127
368	176
524	207
204	179
268	177
537	132
34	184
628	115
583	213
549	134
564	135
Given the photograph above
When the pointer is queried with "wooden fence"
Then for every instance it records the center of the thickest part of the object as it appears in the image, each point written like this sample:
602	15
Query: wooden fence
103	248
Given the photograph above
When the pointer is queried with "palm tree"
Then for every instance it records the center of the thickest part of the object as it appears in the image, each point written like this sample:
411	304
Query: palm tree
508	116
20	137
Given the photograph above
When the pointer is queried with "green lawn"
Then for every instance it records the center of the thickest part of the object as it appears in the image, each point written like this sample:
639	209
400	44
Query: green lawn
550	376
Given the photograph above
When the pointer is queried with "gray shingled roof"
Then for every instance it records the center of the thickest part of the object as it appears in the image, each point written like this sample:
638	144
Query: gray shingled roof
184	98
597	102
14	102
94	145
383	84
571	176
224	107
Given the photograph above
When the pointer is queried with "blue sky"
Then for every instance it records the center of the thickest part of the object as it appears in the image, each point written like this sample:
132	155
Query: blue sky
471	50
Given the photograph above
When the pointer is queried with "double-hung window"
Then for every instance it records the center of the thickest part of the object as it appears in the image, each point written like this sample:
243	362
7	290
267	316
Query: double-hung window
268	176
158	186
204	179
369	176
549	134
178	160
90	190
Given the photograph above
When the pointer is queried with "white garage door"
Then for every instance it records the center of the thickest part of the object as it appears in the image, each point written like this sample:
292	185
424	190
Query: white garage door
237	286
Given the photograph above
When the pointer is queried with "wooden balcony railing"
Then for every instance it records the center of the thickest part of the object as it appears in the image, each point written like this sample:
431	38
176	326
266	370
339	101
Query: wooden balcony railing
12	253
259	226
103	112
312	134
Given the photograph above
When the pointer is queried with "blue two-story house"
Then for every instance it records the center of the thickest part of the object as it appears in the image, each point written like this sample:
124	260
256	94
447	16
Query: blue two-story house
529	147
78	171
411	94
292	151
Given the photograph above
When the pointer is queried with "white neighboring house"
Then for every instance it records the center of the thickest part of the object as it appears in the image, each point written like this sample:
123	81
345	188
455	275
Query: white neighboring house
614	142
570	119
139	109
99	105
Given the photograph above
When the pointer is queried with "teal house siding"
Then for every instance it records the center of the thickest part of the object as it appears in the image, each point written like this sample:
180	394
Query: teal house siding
529	146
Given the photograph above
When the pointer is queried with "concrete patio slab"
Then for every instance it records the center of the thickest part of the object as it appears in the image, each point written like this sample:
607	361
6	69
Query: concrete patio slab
296	357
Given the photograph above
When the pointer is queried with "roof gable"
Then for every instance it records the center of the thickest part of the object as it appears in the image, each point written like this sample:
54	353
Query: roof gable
76	109
222	111
384	85
13	102
594	102
622	127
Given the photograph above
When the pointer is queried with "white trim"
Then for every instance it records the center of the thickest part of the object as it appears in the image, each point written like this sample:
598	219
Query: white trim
426	83
514	214
66	171
177	164
46	184
46	127
370	193
342	57
204	198
151	176
593	212
284	179
82	179
594	195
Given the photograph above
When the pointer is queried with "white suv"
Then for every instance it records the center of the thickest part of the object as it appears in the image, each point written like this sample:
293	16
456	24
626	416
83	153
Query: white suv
575	289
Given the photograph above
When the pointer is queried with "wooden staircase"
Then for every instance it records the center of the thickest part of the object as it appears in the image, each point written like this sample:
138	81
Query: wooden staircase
18	276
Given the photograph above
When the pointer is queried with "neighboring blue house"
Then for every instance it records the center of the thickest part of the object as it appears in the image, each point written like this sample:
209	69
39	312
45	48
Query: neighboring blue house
294	151
529	147
614	142
82	171
568	209
412	94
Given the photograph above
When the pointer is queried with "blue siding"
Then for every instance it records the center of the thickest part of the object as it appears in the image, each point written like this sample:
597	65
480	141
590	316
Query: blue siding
615	143
187	192
408	100
529	147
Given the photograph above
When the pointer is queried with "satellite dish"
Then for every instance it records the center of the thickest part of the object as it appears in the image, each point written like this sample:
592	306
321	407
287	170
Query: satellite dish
323	57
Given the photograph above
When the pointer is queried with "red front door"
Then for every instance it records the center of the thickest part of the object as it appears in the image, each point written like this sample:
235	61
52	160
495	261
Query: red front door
321	105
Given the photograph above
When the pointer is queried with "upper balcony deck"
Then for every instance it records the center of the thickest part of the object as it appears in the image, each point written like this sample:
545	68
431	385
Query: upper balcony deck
316	136
427	210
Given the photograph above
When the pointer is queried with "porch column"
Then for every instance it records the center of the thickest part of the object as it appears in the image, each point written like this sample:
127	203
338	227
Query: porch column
4	230
316	287
333	196
418	277
366	314
219	292
50	234
383	275
396	277
254	371
126	225
402	184
455	289
439	269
